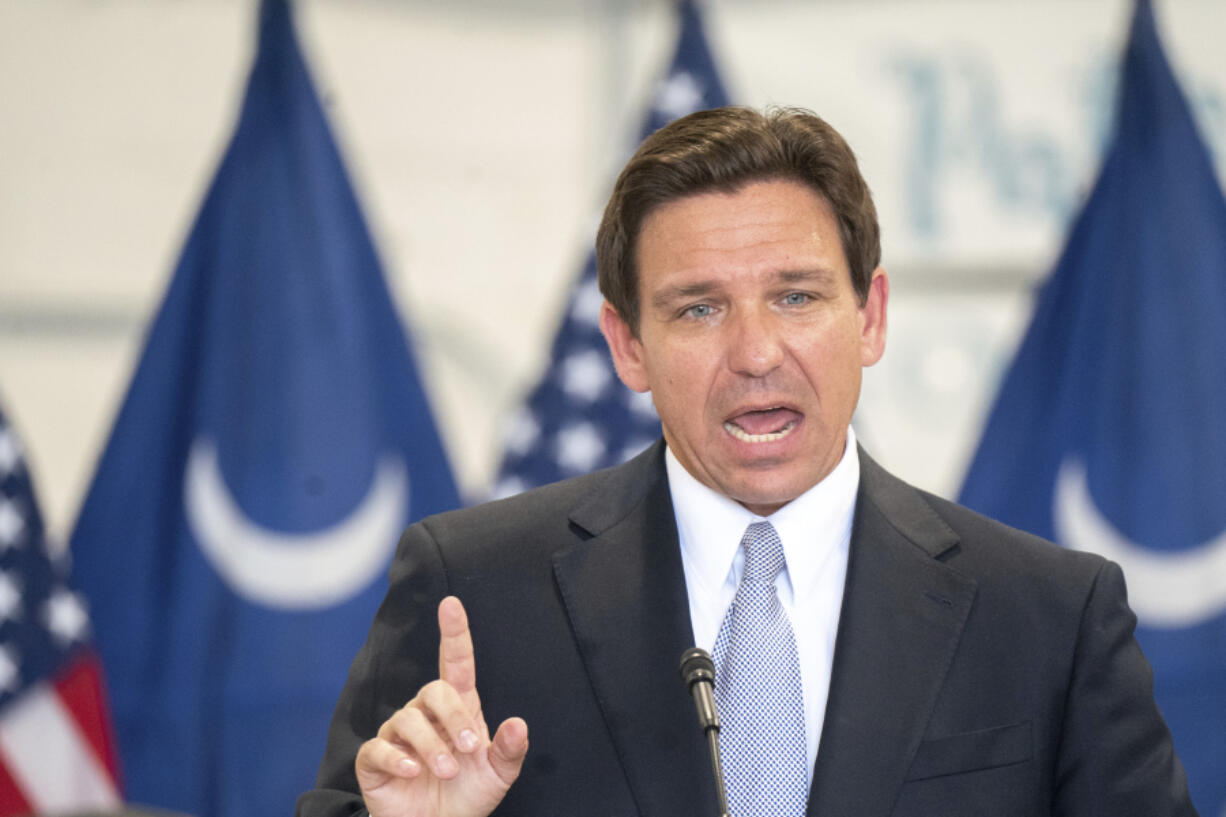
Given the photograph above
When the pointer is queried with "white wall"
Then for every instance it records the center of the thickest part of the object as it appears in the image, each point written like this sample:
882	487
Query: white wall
482	137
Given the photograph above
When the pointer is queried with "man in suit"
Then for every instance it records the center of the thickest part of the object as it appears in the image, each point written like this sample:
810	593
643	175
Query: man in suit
934	661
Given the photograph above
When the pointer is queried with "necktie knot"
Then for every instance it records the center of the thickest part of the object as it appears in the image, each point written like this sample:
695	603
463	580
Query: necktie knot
763	553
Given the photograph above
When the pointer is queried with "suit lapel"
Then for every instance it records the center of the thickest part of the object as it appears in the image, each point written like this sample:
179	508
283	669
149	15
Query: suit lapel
624	591
902	617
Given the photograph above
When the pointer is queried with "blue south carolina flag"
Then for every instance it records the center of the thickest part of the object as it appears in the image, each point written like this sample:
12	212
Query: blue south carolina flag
1109	433
274	442
580	417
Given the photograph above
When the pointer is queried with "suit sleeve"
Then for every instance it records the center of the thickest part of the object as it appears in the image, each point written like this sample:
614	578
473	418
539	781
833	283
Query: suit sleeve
1116	755
399	657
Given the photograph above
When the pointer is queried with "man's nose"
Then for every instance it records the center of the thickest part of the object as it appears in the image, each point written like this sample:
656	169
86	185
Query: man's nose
755	344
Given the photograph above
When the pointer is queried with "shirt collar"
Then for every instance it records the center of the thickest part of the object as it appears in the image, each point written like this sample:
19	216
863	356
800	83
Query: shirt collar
710	525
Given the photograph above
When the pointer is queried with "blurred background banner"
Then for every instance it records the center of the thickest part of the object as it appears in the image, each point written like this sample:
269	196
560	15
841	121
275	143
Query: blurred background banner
1108	433
57	753
580	417
274	442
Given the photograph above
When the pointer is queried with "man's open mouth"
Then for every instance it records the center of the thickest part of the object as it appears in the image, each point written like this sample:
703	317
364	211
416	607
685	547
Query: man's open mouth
762	425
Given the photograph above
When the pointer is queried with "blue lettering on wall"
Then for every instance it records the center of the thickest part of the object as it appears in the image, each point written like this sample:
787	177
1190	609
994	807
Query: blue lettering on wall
957	128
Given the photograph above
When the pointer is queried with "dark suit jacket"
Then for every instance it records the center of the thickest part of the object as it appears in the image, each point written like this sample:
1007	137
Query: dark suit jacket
977	670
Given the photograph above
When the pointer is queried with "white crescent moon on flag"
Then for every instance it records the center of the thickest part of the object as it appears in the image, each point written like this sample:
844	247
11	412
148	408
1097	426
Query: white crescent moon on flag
294	571
1168	589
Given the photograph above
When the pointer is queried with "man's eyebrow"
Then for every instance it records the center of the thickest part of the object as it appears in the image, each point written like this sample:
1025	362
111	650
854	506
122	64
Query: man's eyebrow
670	295
812	274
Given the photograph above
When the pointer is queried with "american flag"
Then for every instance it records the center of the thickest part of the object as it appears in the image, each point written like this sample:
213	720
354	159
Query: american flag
56	750
580	417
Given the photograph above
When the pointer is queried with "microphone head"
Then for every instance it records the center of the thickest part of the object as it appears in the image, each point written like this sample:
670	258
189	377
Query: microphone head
696	665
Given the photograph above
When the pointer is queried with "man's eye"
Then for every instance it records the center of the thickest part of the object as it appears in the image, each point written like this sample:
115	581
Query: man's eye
698	311
796	298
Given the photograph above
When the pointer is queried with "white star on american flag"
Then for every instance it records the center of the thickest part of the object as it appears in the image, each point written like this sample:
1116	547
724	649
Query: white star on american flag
12	522
679	94
585	374
66	617
588	301
523	432
580	447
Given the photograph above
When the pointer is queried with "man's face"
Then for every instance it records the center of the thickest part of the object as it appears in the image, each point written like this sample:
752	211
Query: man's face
751	339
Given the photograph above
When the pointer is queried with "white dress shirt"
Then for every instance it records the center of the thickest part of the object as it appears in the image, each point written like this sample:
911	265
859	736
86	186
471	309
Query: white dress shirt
815	529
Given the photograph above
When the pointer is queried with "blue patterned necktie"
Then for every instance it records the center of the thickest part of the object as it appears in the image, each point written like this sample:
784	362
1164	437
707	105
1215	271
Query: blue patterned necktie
758	691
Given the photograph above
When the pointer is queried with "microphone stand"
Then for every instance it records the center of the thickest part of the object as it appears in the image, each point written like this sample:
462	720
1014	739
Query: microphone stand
698	672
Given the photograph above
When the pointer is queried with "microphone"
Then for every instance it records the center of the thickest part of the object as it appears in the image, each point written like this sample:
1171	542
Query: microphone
698	672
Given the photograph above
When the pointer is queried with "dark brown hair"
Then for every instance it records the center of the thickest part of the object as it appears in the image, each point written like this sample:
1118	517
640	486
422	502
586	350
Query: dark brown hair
723	150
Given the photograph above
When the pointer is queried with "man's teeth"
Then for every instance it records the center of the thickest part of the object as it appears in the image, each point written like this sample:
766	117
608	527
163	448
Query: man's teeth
745	437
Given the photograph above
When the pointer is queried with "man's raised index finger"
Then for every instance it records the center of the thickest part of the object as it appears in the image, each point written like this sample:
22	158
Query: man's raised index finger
456	664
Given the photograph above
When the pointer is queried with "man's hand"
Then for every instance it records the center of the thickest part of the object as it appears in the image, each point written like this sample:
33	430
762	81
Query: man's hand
434	756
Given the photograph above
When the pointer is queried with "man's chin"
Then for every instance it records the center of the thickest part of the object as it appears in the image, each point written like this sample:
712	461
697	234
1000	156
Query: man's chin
764	500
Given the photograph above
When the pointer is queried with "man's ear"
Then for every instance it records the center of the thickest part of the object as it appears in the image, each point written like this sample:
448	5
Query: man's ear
626	349
873	318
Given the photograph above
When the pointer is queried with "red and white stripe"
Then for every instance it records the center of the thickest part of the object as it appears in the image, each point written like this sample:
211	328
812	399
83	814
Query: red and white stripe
56	753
